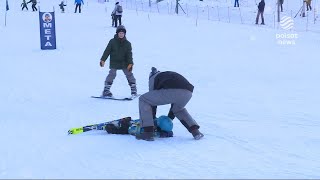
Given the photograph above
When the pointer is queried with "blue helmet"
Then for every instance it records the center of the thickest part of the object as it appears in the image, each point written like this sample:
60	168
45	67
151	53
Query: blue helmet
164	123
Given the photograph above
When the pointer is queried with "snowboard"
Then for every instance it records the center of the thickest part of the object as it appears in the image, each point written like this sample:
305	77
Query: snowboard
117	98
99	126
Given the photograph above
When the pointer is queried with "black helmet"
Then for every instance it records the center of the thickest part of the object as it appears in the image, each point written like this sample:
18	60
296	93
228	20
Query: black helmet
153	72
121	28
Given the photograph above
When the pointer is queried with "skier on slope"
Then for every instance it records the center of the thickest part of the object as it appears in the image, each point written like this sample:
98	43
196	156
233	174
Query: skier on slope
62	5
120	51
163	127
24	5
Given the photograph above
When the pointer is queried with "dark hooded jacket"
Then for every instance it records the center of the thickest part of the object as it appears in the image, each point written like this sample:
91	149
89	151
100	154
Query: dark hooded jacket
261	6
168	80
120	52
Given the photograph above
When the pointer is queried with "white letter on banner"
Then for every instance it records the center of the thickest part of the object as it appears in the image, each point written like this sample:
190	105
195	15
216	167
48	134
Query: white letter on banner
47	31
48	37
47	25
48	44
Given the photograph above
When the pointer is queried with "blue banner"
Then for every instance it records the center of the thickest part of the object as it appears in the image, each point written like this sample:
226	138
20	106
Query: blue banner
47	30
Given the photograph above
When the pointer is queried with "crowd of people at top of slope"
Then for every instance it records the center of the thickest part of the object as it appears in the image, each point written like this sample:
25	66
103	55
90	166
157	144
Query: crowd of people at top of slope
116	14
77	4
308	3
261	7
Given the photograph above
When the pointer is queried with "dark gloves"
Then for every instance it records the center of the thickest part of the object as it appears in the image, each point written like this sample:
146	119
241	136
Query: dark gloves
102	63
165	134
130	66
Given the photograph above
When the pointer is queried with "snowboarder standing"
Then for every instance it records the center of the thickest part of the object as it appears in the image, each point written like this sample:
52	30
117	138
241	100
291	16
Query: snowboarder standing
61	5
166	88
260	12
120	51
117	12
34	3
78	5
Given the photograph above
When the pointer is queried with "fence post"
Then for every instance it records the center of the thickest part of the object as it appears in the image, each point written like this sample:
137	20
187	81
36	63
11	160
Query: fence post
158	8
274	20
218	13
197	16
314	15
240	16
307	20
187	9
197	11
136	7
228	14
208	12
142	6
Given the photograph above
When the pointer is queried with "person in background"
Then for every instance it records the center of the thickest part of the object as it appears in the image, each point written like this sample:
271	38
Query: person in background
260	12
78	5
281	5
117	12
24	5
62	5
34	3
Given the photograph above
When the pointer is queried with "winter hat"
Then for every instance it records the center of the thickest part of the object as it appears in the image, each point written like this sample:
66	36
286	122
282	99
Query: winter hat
121	28
117	2
153	72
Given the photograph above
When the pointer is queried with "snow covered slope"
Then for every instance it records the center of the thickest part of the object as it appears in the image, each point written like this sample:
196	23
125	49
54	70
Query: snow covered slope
256	100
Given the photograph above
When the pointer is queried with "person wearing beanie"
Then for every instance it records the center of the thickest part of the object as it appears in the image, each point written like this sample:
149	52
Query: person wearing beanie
120	51
117	14
166	88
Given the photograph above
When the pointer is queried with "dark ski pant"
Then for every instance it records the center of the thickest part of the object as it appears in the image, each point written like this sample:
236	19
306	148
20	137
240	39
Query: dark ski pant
113	73
117	17
178	98
236	3
34	7
77	6
25	6
113	19
258	15
309	6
